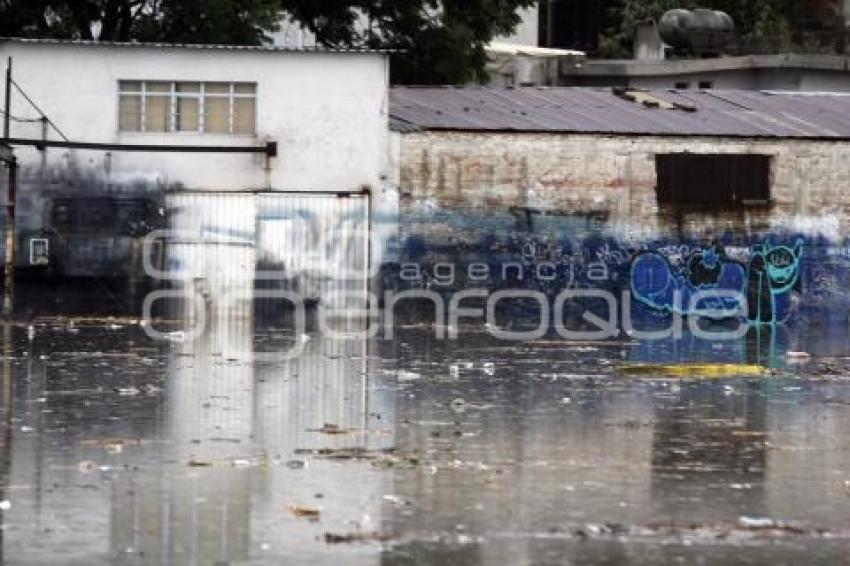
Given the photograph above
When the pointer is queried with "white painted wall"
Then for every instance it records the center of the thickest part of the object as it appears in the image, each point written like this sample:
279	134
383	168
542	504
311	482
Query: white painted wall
328	113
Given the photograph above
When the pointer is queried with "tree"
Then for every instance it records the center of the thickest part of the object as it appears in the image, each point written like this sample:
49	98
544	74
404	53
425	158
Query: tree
443	40
438	41
238	22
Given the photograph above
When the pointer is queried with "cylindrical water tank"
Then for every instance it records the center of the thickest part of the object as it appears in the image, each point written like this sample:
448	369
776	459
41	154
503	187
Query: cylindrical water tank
697	30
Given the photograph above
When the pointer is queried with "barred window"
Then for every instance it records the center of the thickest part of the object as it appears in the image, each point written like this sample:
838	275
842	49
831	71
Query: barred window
199	107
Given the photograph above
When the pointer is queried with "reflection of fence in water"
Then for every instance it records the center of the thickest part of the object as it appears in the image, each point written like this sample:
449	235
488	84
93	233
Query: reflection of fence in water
224	246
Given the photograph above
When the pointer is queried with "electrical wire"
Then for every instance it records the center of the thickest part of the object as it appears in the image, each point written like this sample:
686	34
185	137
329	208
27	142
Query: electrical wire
22	120
37	109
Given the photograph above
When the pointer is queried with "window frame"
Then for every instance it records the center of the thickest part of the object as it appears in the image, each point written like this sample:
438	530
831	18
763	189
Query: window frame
671	164
173	95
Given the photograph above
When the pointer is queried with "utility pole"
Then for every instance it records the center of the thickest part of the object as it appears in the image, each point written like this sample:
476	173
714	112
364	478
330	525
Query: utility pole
11	190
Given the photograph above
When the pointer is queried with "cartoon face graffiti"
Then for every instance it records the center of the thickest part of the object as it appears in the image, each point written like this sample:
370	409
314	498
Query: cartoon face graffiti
772	273
766	281
783	265
705	268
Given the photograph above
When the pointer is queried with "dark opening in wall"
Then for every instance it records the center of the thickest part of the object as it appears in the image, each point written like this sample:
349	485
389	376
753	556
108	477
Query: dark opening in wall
712	180
706	85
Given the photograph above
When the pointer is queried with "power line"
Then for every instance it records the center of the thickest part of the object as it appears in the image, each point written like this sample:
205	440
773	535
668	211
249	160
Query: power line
22	120
34	105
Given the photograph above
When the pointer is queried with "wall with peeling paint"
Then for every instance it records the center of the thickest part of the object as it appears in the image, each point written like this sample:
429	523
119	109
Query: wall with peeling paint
580	211
488	172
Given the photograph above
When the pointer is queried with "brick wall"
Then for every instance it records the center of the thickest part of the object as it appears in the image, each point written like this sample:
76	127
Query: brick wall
488	173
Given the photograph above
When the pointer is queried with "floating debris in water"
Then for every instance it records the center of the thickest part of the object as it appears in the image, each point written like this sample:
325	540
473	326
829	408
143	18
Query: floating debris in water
331	538
798	357
698	371
403	375
328	428
127	391
304	512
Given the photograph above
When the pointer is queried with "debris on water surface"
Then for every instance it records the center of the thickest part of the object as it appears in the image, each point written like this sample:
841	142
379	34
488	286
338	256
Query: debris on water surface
332	538
30	332
177	336
296	464
458	405
396	500
199	464
127	391
329	428
304	512
5	505
385	458
798	357
87	467
685	371
403	375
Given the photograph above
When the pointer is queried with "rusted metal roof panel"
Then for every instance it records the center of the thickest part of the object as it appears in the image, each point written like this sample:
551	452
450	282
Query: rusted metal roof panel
596	110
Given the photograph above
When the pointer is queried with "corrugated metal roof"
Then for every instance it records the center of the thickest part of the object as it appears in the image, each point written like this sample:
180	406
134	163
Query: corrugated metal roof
751	114
136	44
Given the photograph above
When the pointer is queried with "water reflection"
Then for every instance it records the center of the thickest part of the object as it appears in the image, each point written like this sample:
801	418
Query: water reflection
121	450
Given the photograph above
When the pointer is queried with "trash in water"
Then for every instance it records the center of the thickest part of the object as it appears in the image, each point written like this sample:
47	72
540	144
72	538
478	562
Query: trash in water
87	466
127	391
199	464
304	512
703	371
328	428
331	538
296	464
5	505
756	523
396	500
403	375
798	357
176	336
458	405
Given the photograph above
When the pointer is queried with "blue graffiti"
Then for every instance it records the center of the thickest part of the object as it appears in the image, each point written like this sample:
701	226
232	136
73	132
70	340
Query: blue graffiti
772	274
666	289
708	283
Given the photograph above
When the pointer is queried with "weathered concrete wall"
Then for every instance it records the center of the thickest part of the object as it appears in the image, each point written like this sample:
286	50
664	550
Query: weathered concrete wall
549	212
580	174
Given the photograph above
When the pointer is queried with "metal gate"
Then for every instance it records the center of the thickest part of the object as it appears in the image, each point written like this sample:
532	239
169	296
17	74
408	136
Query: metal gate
260	245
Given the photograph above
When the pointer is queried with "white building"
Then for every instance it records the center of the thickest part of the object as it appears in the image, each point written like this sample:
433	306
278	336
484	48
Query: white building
281	215
327	110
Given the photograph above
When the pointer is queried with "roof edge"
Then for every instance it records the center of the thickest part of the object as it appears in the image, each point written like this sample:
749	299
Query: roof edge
194	46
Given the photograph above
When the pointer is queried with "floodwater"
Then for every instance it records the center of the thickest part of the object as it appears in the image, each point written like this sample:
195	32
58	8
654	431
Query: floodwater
119	449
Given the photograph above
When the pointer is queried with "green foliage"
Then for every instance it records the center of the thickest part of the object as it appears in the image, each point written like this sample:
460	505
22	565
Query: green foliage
190	21
443	40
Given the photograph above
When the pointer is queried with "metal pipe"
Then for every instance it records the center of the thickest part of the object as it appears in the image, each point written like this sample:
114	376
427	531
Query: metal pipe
9	268
270	149
8	116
